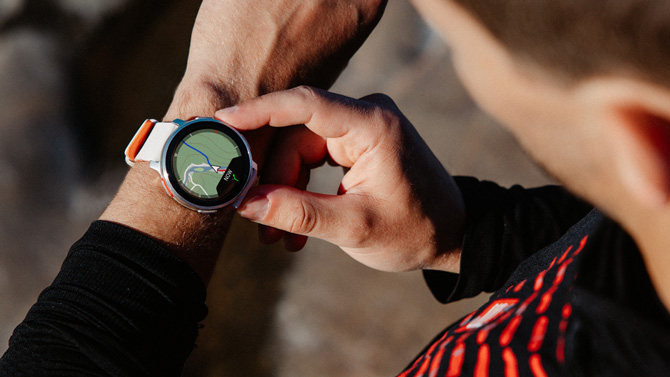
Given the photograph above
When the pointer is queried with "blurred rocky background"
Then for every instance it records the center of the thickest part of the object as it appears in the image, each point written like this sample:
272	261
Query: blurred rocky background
76	79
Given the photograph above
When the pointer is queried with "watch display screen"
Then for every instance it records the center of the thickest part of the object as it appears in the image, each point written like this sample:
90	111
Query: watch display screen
210	163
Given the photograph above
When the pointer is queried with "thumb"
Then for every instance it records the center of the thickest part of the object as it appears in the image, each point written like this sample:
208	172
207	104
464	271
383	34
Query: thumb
328	217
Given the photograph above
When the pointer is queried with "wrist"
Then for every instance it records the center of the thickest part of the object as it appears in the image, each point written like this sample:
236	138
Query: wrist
142	204
199	95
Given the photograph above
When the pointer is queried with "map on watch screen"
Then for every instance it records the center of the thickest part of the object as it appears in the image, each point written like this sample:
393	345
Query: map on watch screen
208	163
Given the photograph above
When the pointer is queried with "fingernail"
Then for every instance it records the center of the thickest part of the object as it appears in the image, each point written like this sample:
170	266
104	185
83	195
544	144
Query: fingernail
255	208
229	110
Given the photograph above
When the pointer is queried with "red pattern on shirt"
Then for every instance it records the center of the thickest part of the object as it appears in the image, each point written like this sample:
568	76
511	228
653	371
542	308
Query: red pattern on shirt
505	315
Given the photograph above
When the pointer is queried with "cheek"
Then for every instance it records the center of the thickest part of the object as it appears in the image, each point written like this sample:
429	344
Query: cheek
492	90
568	155
535	117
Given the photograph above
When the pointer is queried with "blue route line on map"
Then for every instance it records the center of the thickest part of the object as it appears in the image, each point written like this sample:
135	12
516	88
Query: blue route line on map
207	158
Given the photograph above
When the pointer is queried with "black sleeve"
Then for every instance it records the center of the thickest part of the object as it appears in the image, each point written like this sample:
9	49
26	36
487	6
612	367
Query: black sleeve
503	227
122	305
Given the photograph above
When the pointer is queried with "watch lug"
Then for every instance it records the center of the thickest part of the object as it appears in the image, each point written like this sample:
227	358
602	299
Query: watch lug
155	165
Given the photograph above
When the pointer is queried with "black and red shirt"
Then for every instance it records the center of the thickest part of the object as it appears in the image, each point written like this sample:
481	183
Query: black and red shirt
583	305
571	297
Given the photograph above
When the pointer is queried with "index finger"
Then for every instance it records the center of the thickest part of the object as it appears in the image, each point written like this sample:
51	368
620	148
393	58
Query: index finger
327	114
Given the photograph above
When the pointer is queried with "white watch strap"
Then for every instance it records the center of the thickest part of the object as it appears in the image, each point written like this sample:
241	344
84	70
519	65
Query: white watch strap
153	147
149	141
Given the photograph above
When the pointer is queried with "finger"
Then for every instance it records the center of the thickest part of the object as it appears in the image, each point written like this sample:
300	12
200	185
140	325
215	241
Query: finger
351	127
260	142
269	235
295	150
327	114
294	242
342	220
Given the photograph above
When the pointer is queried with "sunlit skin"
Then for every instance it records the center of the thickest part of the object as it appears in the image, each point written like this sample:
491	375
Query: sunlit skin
581	132
231	58
606	138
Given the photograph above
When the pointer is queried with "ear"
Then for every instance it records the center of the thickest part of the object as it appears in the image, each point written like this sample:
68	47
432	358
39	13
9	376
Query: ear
639	132
643	159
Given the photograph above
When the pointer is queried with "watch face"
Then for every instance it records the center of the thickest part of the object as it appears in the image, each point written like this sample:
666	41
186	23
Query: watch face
208	163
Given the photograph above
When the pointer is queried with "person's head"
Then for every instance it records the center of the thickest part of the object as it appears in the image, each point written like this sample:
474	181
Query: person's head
584	85
576	39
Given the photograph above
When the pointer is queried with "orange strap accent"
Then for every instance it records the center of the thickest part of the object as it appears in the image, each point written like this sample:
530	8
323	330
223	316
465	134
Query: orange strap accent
139	139
167	188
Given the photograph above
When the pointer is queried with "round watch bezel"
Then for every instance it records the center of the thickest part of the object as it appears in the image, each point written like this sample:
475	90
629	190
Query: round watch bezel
170	178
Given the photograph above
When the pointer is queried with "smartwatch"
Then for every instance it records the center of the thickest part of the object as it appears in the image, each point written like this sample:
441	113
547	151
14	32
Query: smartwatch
204	163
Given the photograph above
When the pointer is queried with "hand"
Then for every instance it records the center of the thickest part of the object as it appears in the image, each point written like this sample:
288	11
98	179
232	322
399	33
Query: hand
240	49
397	208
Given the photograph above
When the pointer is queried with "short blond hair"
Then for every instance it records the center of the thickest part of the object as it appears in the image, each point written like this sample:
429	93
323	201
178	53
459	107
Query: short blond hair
579	38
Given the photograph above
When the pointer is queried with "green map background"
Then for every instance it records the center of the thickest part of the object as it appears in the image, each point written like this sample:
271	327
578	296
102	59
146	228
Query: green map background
219	148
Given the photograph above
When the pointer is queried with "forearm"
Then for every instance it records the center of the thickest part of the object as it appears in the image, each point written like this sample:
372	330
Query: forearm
132	295
240	50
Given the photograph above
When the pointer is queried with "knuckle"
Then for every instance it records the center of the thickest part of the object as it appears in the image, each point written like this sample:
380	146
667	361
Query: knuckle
386	115
308	93
389	120
304	220
361	228
380	99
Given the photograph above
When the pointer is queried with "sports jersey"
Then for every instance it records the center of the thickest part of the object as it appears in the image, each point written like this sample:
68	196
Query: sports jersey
583	305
